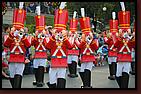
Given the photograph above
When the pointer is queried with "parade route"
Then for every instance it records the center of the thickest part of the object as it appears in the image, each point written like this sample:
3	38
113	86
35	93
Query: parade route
99	80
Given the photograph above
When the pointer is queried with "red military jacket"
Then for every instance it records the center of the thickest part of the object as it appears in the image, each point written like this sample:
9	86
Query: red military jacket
112	51
17	50
124	49
40	49
58	52
86	54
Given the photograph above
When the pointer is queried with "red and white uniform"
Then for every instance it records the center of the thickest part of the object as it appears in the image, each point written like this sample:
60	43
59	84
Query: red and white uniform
87	50
40	56
74	52
58	52
58	48
124	45
17	45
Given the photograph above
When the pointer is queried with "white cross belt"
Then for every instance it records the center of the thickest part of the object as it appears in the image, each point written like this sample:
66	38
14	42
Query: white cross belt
59	48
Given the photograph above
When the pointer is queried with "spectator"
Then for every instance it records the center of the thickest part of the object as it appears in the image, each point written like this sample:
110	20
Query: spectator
31	7
46	8
50	4
100	39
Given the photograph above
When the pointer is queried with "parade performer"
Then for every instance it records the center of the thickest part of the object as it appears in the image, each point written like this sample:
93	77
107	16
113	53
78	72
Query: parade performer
58	45
40	56
73	54
112	51
17	42
124	45
87	47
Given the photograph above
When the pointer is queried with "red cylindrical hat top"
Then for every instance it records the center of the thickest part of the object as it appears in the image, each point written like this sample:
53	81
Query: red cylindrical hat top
19	16
124	19
85	24
113	25
40	22
60	19
73	25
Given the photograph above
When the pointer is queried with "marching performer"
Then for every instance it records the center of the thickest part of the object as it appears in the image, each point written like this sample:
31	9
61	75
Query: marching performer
58	45
73	53
40	56
87	47
17	42
112	52
124	46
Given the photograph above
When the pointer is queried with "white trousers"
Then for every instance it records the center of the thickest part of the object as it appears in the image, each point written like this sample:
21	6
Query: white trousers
39	62
112	59
88	65
16	68
123	67
71	58
55	73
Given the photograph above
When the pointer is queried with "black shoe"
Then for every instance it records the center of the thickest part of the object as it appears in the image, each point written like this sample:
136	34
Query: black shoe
51	85
86	87
72	75
34	83
61	83
111	77
40	84
17	81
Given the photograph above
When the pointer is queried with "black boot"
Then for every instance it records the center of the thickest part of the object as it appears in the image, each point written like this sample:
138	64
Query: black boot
118	79
51	85
17	81
87	79
124	80
36	76
40	76
70	70
111	77
74	68
61	83
82	77
12	82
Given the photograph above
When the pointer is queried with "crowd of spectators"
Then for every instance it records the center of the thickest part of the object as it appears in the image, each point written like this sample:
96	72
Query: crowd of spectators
46	7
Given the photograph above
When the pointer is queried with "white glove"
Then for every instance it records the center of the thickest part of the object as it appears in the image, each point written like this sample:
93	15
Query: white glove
16	33
39	35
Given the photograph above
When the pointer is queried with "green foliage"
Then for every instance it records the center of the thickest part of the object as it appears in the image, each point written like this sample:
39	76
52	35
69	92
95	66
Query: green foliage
30	22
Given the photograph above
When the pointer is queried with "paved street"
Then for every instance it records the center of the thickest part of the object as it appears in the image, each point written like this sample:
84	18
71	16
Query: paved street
99	80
